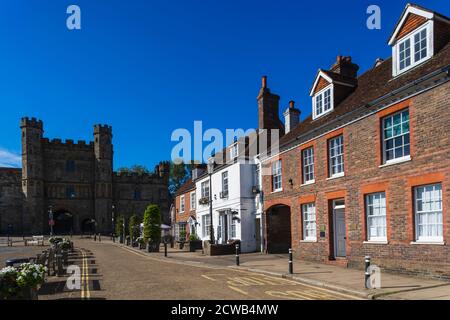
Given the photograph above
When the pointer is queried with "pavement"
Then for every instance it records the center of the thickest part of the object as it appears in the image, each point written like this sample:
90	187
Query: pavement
113	271
336	278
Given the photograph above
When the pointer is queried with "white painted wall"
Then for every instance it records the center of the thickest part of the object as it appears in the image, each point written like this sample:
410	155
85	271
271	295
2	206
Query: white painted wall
241	179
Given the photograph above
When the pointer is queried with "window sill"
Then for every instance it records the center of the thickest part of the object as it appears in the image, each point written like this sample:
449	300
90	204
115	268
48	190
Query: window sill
308	183
375	242
336	176
278	190
308	241
396	161
438	243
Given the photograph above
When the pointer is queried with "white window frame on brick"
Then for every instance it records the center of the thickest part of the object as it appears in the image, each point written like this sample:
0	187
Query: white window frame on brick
376	216
192	201
309	222
206	225
308	165
404	135
427	30
326	98
182	204
277	177
336	152
428	213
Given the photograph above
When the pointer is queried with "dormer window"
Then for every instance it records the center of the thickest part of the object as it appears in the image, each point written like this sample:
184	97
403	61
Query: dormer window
323	102
413	49
412	40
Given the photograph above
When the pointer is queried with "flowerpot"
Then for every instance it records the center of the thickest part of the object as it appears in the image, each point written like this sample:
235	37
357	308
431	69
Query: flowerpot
153	247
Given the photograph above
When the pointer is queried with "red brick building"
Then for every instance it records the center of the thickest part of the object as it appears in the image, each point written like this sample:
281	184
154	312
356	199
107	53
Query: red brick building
368	173
185	222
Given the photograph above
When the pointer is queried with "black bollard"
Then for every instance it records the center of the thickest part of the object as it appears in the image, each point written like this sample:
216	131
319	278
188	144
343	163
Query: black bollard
237	255
165	249
367	273
291	265
95	237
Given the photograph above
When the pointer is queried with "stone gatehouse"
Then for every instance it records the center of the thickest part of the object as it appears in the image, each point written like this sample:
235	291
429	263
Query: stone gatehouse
77	182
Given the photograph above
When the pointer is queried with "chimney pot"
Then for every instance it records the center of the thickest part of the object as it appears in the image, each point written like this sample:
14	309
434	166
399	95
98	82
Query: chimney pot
264	82
291	104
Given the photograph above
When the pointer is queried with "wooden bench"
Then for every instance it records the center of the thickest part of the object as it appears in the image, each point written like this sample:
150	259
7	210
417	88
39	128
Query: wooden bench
6	241
35	240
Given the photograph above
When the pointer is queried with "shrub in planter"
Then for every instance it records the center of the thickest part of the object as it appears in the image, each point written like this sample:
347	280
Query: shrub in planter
133	227
65	245
193	237
152	227
22	283
8	283
55	240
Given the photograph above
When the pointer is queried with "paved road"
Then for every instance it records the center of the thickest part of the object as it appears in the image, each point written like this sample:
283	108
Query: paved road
109	271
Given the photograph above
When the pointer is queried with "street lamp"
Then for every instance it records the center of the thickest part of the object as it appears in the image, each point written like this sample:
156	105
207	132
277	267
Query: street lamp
210	172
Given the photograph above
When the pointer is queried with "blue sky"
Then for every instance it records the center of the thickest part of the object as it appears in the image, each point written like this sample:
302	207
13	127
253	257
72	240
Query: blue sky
148	67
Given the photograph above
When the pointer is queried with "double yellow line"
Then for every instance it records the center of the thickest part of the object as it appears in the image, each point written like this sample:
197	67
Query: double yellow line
85	293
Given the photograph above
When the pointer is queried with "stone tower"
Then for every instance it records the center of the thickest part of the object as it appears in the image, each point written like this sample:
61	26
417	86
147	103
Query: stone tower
34	213
103	149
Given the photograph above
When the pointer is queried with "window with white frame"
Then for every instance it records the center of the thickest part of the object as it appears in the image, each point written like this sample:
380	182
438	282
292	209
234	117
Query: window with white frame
234	151
193	199
232	227
182	231
413	49
308	165
323	102
428	213
376	216
182	204
396	137
336	156
205	189
224	184
206	225
309	221
276	175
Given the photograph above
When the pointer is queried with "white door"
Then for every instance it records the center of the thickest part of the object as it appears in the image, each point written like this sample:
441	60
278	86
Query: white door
339	230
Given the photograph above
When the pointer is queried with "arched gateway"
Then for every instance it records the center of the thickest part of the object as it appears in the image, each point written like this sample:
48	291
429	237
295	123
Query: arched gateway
63	222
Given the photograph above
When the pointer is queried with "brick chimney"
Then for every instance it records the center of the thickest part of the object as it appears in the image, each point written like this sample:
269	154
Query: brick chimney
345	67
291	117
268	109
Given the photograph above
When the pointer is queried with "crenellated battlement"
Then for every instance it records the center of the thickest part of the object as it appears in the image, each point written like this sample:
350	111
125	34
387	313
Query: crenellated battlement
102	129
136	178
32	123
80	144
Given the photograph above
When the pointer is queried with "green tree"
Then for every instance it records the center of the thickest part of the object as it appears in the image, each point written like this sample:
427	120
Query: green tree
139	169
180	172
152	224
119	225
133	226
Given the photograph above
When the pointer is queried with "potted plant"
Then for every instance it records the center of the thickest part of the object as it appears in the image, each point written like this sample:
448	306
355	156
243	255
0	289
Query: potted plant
194	243
21	283
8	283
152	228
